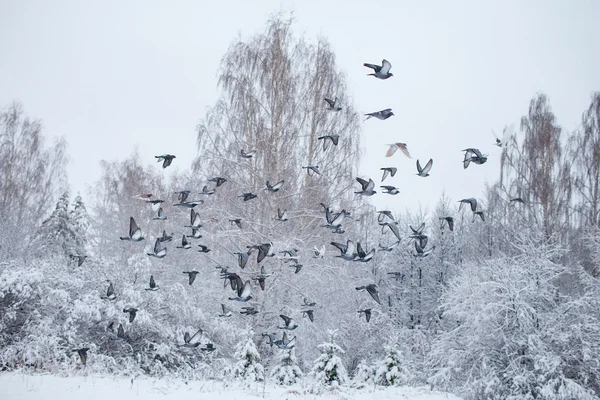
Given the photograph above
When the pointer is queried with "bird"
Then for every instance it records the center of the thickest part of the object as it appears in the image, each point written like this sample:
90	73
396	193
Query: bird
516	200
372	290
249	154
308	303
319	253
121	332
390	190
381	115
184	243
334	220
347	251
310	314
367	187
367	312
471	201
274	188
110	293
417	231
249	311
203	248
397	275
333	105
161	215
165	237
218	180
237	221
135	233
244	293
450	222
507	134
188	204
392	226
264	250
473	155
182	195
327	139
480	213
159	251
383	214
290	324
296	266
225	312
281	215
143	196
390	247
192	341
395	147
207	191
82	354
388	171
420	248
248	196
380	71
242	259
424	172
208	347
196	234
153	286
313	168
362	255
261	277
167	159
132	313
79	258
191	276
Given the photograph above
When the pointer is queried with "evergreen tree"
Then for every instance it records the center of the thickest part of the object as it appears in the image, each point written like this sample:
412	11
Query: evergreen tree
56	236
80	221
328	368
248	368
286	372
391	372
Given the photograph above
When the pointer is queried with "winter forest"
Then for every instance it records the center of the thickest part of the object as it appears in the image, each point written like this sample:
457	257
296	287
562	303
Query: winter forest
237	280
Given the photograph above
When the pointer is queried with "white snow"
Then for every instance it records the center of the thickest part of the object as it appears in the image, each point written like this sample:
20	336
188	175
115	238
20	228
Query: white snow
19	386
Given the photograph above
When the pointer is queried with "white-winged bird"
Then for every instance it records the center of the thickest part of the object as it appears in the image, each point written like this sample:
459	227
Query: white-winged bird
159	251
184	243
424	171
347	251
274	188
310	314
471	201
397	146
367	187
110	293
165	237
135	233
225	312
281	215
161	215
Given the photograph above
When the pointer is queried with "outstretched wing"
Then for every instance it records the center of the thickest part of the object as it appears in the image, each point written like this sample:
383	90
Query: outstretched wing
385	67
392	150
428	166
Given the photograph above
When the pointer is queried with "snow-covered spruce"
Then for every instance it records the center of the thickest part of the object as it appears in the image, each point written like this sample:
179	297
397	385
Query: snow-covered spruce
391	371
328	368
248	368
364	374
286	372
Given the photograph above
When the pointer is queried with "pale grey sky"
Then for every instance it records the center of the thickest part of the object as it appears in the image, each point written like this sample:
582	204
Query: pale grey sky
113	75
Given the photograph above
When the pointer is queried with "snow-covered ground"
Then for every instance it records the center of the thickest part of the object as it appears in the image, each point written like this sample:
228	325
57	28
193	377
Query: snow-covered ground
17	386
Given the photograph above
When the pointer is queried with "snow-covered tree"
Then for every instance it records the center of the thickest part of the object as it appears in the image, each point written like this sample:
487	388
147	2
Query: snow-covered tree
392	370
57	236
80	222
248	368
364	373
286	372
328	368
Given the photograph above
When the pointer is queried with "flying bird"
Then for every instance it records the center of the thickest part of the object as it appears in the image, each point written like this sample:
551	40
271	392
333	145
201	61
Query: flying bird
244	293
388	171
480	213
390	190
225	312
196	233
207	191
237	221
274	188
310	314
290	324
381	115
242	259
260	278
167	159
450	222
159	251
334	139
249	154
82	354
424	172
507	134
516	200
312	168
165	237
248	196
333	105
367	312
367	187
362	255
347	251
203	248
308	303
473	156
192	341
390	247
191	276
380	71
319	253
471	201
153	286
161	215
132	313
281	215
121	332
218	180
208	347
395	147
79	258
184	243
249	311
195	220
383	214
155	203
372	290
135	233
110	293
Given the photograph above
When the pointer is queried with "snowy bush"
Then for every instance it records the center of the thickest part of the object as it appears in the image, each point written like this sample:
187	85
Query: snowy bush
286	372
364	374
328	368
248	368
391	370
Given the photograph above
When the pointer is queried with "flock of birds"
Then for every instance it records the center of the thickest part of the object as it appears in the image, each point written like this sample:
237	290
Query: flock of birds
349	251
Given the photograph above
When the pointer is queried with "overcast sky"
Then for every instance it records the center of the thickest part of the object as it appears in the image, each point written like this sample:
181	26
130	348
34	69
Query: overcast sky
113	75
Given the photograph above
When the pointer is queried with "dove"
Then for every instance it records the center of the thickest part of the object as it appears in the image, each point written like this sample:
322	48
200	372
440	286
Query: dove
192	341
290	324
218	180
310	314
319	253
196	234
471	201
260	278
249	154
363	256
167	159
347	251
390	190
248	196
208	347
388	171
421	249
383	214
367	312
110	293
334	139
372	290
203	248
450	222
225	312
159	251
244	293
155	204
424	172
207	191
395	147
191	276
381	115
380	71
161	215
473	156
312	168
480	213
184	243
135	233
281	215
333	105
153	286
367	187
79	258
507	134
308	303
165	237
392	227
249	311
274	188
242	259
132	313
390	247
237	221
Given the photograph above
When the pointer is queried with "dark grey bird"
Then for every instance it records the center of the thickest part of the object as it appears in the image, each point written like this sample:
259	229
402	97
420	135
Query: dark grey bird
274	188
393	147
388	171
135	233
310	314
367	312
390	190
110	293
155	203
297	267
308	303
225	312
188	204
312	168
383	214
244	293
471	201
218	180
82	354
248	196
381	115
424	171
203	248
167	159
380	71
264	250
191	276
362	255
367	187
242	259
334	139
260	278
196	233
421	252
160	216
372	290
79	258
333	105
397	275
473	156
249	154
290	253
153	286
249	311
165	237
281	215
290	324
419	230
481	215
183	195
159	251
207	191
237	221
132	313
208	347
390	247
347	251
450	222
121	332
517	200
334	220
184	243
192	341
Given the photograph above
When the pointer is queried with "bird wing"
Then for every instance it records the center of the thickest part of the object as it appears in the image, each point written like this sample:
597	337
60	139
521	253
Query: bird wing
372	66
404	149
157	246
370	185
419	169
330	102
507	134
350	247
363	183
286	319
339	218
152	282
196	338
133	228
246	290
385	172
391	150
428	166
340	247
473	203
385	67
394	229
373	292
